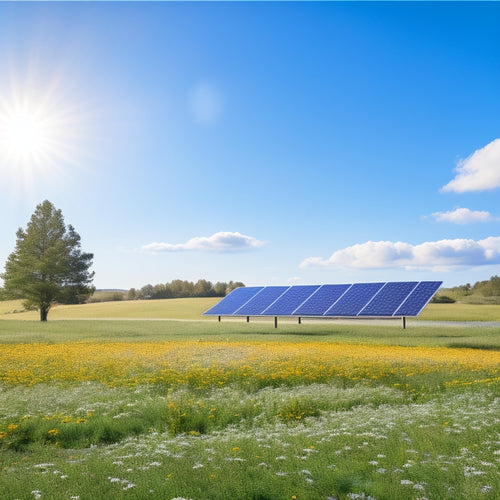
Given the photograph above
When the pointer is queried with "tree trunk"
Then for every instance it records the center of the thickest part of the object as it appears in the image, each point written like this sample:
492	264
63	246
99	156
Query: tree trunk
44	311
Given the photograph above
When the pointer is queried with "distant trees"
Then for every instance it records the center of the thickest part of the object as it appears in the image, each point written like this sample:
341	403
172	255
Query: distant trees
47	264
490	288
182	289
482	292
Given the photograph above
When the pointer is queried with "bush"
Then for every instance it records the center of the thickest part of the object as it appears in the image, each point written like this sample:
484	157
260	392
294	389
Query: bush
443	299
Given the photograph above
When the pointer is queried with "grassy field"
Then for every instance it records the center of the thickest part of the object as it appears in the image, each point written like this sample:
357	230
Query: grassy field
194	308
164	409
135	309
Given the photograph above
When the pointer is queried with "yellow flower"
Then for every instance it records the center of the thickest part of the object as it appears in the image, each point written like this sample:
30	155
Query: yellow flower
11	427
53	432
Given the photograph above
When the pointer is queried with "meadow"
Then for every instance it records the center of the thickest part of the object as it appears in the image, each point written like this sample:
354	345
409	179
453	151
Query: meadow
176	407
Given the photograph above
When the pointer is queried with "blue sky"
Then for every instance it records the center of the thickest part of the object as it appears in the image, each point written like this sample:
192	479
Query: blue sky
268	143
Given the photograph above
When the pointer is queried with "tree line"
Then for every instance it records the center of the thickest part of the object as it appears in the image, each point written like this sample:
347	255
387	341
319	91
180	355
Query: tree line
175	289
486	288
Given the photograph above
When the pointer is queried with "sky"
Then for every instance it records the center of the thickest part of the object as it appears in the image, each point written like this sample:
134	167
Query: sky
268	143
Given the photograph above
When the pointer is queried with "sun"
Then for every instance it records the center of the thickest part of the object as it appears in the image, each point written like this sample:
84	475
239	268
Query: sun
40	130
25	136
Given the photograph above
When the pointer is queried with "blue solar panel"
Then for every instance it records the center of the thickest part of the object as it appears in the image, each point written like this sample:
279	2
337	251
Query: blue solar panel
290	300
321	300
354	299
418	299
388	299
234	300
262	300
406	298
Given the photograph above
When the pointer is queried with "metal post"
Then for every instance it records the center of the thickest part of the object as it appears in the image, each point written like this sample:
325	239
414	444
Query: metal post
248	319
276	322
404	322
219	319
300	320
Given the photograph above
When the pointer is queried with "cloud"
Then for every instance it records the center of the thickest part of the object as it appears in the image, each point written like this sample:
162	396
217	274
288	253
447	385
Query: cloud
462	216
478	172
218	242
443	255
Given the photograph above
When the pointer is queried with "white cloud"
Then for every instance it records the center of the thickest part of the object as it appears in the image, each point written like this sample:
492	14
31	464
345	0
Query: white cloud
219	242
478	172
462	216
443	255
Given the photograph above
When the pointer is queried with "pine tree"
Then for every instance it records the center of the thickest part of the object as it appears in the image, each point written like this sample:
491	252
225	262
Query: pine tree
47	265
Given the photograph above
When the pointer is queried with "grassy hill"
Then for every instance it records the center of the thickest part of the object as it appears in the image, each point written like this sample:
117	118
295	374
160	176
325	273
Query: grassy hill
193	308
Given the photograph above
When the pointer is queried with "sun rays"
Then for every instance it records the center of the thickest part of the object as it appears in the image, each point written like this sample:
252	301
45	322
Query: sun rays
38	134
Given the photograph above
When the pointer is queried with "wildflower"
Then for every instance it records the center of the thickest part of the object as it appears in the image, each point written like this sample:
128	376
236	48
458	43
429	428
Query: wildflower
12	427
53	432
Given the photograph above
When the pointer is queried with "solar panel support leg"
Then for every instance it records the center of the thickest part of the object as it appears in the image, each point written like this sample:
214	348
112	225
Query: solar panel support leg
219	319
300	320
276	322
248	319
404	323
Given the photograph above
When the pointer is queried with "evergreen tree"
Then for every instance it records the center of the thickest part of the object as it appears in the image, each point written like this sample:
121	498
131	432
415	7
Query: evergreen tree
47	265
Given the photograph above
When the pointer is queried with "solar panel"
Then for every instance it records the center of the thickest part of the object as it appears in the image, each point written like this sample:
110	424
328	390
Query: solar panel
354	299
388	299
321	300
418	298
233	301
286	304
262	300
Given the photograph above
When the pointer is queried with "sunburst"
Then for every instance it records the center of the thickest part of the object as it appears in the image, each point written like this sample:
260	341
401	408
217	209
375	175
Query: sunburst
37	135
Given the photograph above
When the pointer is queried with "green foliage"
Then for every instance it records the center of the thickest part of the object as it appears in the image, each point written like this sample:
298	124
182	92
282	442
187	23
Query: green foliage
442	299
183	289
488	288
47	265
107	296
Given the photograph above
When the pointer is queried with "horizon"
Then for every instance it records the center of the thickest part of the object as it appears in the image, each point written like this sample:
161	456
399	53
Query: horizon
267	143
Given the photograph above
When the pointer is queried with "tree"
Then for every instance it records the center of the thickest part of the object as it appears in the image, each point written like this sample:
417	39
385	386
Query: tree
47	265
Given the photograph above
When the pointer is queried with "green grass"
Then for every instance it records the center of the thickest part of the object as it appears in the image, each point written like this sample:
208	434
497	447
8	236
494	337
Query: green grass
133	309
193	308
12	331
243	441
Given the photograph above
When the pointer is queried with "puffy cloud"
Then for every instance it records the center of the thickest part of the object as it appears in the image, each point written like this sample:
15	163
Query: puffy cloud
219	242
440	255
462	216
478	172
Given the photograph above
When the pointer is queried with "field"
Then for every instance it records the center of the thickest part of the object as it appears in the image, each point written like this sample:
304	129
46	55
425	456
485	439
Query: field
170	406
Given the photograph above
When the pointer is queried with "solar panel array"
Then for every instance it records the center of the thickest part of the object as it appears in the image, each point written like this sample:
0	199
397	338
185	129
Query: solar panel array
389	299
